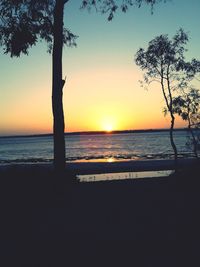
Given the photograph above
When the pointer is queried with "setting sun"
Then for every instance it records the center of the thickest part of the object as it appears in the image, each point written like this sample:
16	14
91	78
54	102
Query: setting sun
108	123
108	128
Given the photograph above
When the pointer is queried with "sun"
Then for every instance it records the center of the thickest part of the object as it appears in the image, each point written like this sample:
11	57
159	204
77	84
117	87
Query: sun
108	128
108	124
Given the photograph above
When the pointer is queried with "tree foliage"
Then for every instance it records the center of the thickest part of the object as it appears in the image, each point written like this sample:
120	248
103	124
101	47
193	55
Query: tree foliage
187	105
110	7
24	22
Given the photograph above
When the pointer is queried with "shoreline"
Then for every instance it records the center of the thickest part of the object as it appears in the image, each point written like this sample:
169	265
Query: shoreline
101	158
86	168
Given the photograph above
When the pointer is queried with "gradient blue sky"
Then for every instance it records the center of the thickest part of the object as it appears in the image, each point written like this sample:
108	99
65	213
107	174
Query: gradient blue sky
102	89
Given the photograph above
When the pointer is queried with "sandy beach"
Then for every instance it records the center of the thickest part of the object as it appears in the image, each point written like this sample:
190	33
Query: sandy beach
141	222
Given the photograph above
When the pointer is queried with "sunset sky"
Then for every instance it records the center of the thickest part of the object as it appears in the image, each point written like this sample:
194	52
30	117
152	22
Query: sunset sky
102	90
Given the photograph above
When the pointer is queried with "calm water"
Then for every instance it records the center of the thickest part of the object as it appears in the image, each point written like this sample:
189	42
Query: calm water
152	145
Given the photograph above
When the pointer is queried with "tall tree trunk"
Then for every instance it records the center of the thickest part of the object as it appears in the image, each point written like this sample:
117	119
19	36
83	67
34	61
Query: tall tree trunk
57	89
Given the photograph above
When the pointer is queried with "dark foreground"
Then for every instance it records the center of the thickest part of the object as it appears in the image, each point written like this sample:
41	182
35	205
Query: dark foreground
149	222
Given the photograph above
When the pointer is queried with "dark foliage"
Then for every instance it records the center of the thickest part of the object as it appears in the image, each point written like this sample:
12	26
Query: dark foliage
110	7
23	23
187	105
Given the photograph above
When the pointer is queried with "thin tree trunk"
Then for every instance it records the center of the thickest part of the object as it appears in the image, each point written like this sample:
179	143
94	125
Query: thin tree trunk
172	138
169	107
172	119
57	89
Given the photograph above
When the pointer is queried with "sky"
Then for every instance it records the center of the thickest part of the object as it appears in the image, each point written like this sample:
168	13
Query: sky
102	90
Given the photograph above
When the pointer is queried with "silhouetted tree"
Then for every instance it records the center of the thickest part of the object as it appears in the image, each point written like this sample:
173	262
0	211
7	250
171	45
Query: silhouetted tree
163	61
187	105
24	22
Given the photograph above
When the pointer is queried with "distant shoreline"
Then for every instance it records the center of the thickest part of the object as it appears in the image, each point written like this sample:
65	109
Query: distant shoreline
95	133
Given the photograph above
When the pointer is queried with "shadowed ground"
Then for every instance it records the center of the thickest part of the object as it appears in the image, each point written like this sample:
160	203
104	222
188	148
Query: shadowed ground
144	222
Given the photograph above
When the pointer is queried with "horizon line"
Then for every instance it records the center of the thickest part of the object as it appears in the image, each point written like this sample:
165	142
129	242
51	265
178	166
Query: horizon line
94	132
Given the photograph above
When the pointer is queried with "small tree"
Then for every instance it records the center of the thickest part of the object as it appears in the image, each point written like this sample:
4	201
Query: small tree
187	105
24	22
163	61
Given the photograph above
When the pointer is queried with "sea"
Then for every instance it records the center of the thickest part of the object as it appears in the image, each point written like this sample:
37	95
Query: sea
95	147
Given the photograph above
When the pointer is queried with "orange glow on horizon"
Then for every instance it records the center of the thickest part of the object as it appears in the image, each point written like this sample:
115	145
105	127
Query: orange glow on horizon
115	104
